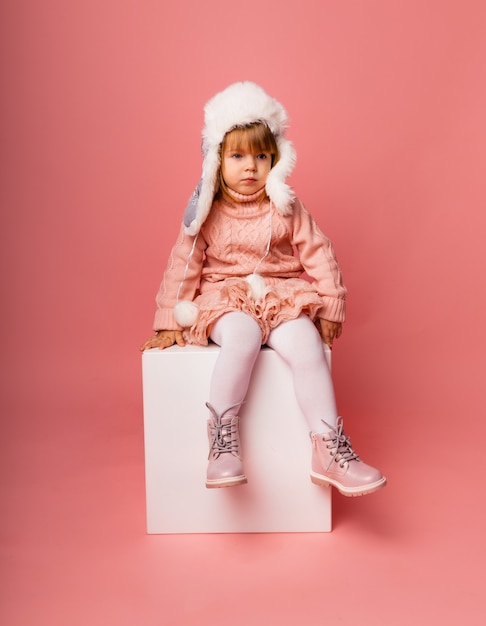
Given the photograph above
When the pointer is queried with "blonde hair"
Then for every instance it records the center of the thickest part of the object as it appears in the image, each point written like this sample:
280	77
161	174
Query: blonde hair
256	137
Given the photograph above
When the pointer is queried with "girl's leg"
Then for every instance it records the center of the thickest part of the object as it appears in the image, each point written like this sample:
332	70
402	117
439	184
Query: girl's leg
299	343
334	462
240	339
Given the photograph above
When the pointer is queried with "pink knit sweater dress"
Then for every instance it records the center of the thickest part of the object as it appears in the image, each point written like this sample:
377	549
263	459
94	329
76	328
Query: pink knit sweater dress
236	240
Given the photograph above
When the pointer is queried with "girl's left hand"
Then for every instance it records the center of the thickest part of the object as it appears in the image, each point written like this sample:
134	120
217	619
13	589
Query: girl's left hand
330	331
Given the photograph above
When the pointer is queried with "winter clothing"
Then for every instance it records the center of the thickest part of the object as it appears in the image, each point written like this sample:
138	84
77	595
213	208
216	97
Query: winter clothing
334	462
225	468
237	106
235	239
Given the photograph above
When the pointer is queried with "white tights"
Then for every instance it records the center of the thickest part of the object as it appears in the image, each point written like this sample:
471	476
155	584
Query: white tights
297	342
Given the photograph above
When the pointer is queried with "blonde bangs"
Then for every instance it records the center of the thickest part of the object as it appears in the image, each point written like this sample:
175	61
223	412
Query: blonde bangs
256	138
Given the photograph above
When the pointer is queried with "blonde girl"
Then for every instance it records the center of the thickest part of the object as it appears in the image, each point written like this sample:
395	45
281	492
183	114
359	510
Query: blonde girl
251	267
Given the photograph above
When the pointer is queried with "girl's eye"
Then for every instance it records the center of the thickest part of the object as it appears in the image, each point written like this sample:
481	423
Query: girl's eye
262	156
236	156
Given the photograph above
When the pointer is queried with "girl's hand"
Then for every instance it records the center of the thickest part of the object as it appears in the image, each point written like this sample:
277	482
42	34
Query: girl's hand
330	331
164	339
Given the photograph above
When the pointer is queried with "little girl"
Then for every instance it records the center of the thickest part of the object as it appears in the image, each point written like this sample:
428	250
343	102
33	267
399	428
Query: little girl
235	277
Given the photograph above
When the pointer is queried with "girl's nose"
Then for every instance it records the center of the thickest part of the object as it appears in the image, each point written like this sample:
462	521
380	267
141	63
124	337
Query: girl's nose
251	163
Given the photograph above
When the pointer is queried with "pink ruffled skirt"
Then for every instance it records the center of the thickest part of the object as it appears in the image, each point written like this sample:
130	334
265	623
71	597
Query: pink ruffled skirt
285	300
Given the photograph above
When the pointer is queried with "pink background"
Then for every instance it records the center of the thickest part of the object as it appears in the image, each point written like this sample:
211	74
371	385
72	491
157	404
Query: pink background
101	111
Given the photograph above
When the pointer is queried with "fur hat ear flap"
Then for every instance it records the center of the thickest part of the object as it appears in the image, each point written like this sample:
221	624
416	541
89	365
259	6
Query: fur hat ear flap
191	208
277	189
202	198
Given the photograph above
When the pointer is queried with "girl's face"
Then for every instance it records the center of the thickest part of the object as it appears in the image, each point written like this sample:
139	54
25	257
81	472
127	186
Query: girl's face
244	169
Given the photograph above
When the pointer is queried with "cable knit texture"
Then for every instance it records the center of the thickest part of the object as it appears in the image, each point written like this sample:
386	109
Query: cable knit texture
231	245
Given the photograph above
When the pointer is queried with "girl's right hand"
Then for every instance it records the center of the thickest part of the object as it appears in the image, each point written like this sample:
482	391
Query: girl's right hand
164	339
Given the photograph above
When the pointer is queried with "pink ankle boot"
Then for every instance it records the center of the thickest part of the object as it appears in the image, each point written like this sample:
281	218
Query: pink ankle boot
334	462
225	468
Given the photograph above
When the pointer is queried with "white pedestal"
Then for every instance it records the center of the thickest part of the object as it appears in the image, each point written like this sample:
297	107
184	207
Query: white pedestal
279	496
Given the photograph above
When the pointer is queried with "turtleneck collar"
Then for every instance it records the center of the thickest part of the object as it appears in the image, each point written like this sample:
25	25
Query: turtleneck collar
240	197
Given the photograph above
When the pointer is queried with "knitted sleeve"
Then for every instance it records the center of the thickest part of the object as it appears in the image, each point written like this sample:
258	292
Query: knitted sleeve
181	279
319	261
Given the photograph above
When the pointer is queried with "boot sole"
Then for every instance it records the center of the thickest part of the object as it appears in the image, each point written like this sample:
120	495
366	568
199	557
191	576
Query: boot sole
226	482
364	490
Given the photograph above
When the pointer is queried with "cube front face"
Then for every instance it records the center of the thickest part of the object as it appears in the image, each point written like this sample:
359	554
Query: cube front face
279	496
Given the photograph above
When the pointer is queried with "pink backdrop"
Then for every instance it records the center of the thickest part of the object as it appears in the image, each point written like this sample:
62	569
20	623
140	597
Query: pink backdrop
100	132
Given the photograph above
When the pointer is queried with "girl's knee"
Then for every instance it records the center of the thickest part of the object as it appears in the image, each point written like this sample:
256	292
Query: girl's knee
297	339
239	332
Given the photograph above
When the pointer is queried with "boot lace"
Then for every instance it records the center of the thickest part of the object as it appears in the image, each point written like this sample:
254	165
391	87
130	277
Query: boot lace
340	445
224	437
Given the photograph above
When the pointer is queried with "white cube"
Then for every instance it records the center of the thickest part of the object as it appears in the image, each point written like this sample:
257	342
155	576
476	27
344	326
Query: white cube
276	450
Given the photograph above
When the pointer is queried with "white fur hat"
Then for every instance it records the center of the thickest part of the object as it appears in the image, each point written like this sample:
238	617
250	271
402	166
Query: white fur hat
239	105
